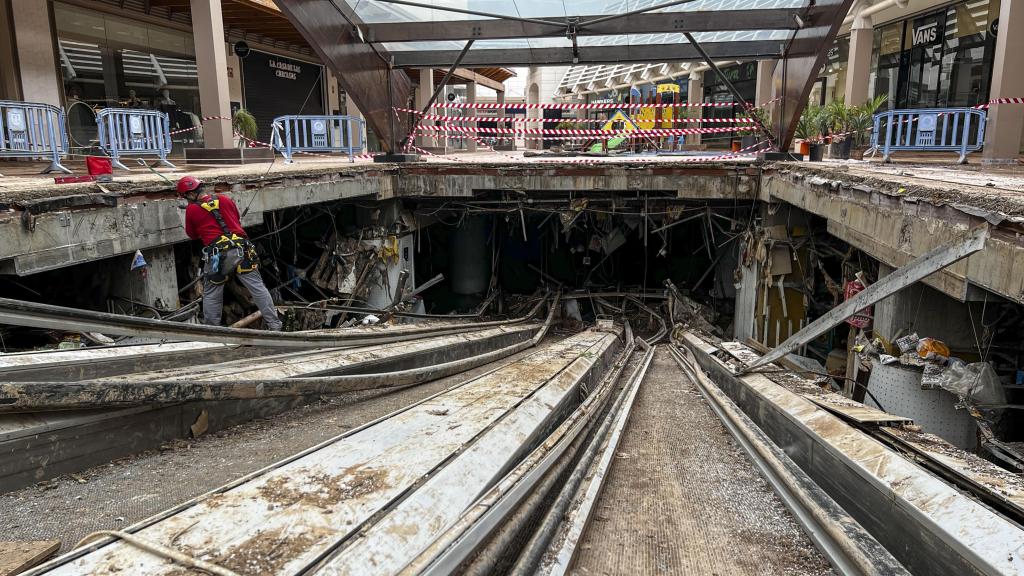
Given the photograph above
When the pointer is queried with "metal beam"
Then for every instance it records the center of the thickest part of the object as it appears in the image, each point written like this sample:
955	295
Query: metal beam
752	50
918	269
441	85
665	22
21	313
728	84
804	56
363	70
470	76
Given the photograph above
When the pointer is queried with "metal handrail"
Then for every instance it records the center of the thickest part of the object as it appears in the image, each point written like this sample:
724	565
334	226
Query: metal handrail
317	134
136	132
33	130
929	129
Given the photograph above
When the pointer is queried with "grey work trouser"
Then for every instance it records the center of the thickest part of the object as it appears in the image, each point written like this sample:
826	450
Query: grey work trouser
213	300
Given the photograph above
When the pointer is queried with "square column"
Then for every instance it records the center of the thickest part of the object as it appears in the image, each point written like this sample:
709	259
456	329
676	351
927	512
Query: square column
423	94
858	69
695	95
33	44
1006	121
155	284
212	63
763	87
471	98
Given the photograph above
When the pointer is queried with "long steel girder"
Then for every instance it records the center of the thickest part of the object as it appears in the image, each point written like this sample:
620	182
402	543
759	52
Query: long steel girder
364	71
648	23
750	50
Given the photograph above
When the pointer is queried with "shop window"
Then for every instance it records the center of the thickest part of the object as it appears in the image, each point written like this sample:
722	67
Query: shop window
941	59
110	61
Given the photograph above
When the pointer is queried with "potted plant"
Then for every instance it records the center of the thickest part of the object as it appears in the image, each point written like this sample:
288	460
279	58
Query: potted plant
821	123
839	123
750	138
861	122
806	130
243	123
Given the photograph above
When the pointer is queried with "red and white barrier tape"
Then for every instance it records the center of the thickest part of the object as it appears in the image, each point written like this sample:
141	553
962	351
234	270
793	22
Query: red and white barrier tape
748	151
522	120
999	101
580	132
571	106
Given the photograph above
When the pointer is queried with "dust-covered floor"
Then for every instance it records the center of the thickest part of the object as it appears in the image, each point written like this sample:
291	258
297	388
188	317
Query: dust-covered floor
682	498
117	495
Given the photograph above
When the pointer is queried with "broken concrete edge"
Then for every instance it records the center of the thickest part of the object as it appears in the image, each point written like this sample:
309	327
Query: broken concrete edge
895	228
930	526
837	179
47	197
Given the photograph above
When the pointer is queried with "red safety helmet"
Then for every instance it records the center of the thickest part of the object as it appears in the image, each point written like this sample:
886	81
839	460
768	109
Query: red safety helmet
188	184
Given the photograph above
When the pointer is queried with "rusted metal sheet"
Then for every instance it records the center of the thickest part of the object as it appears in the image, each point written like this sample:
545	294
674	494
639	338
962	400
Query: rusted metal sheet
283	519
930	526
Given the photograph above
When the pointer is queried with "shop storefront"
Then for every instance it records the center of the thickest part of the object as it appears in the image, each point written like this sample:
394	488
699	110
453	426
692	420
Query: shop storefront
744	78
941	58
275	85
108	60
111	61
831	83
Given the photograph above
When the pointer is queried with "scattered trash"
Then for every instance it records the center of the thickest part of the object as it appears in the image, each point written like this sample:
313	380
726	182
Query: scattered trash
369	320
138	261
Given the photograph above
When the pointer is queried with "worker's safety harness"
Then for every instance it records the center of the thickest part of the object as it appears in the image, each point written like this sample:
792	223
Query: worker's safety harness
228	254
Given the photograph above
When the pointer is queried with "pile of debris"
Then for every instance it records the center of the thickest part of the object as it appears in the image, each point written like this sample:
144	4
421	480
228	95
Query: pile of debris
976	385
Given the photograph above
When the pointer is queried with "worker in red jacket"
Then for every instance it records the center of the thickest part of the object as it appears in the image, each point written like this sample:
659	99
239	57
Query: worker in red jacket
214	220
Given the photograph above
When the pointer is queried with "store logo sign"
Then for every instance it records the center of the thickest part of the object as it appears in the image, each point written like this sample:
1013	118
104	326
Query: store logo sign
285	69
926	34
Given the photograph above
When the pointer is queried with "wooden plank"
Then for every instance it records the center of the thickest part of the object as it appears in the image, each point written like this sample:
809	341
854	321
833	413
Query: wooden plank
855	411
16	557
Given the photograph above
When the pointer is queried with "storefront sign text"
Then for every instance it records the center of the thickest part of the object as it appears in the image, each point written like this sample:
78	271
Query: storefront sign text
285	69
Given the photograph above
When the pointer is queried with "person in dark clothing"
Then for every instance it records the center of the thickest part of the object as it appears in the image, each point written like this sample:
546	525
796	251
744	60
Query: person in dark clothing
213	219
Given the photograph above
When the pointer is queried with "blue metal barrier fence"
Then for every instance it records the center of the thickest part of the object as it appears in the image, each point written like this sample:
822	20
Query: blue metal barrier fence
929	129
33	130
317	134
130	131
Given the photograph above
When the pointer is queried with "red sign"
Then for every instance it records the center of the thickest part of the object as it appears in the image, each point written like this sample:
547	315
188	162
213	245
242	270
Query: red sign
862	319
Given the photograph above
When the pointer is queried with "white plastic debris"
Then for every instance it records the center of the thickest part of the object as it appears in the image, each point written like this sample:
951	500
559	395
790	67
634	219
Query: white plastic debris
370	319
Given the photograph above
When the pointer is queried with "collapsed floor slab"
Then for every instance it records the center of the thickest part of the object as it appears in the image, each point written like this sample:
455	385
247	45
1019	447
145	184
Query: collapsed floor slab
317	501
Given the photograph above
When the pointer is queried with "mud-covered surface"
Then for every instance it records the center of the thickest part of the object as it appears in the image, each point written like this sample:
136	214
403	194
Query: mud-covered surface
996	189
681	497
117	495
999	481
23	185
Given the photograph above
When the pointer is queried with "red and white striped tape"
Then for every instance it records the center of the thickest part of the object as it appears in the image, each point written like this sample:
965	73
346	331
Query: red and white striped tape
571	106
580	132
522	120
748	151
995	101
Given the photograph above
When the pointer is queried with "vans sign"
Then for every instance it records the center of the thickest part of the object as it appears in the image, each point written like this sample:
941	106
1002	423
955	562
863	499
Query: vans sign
926	34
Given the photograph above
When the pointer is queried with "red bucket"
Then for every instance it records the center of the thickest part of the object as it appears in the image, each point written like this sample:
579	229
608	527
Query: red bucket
98	166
